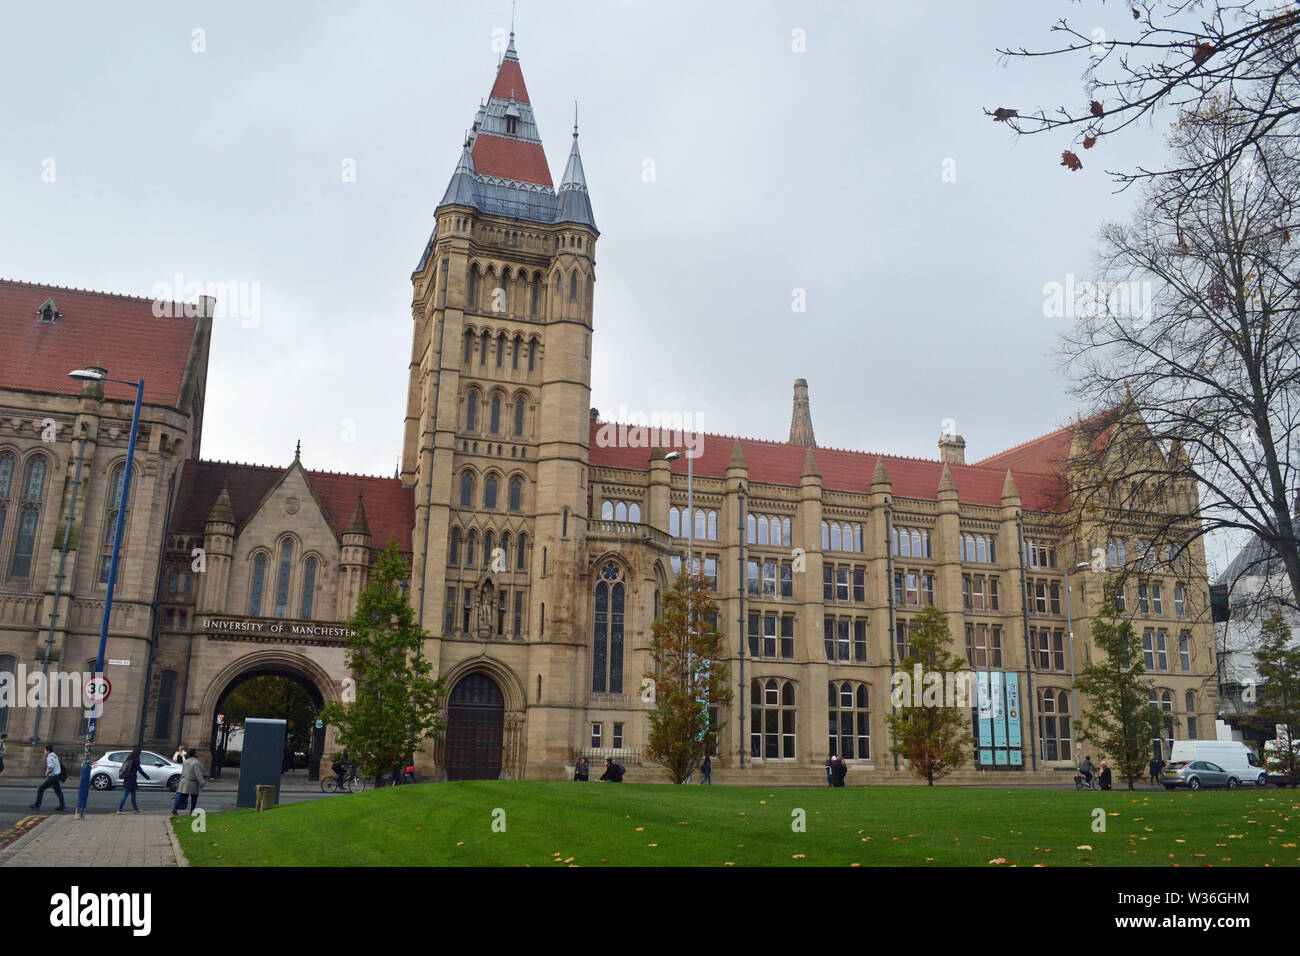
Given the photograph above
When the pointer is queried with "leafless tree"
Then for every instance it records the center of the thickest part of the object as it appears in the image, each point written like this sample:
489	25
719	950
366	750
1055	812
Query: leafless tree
1208	371
1182	56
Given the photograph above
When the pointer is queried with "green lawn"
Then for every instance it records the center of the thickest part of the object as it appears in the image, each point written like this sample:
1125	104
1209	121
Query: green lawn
554	824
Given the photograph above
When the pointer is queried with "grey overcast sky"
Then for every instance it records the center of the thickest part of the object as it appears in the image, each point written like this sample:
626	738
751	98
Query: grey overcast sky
773	170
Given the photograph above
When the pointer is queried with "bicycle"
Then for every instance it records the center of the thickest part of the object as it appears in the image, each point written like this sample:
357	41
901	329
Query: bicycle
352	782
1081	784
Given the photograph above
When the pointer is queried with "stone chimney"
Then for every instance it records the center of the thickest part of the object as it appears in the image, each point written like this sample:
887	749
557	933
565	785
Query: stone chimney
801	429
952	449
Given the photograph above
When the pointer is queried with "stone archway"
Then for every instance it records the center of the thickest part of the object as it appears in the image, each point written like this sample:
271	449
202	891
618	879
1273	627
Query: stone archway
298	668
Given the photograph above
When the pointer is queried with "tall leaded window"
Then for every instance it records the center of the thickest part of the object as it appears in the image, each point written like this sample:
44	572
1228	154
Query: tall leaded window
1054	724
453	549
532	354
772	713
850	719
536	294
521	551
6	486
282	578
471	293
501	348
494	417
483	347
28	519
162	726
466	490
490	493
607	631
308	588
515	502
471	410
255	588
469	345
471	545
519	415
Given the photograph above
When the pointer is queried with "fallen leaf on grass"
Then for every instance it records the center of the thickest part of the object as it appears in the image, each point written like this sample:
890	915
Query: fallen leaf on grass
799	856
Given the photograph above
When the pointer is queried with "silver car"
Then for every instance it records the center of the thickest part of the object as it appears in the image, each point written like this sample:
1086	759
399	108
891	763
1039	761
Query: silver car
1195	774
162	772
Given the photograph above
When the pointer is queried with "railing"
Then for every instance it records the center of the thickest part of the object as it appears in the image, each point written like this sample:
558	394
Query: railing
627	756
628	531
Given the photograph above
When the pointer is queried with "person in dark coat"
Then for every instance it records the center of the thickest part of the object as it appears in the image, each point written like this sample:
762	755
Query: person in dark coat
1153	769
830	774
839	770
131	769
1105	775
706	769
613	772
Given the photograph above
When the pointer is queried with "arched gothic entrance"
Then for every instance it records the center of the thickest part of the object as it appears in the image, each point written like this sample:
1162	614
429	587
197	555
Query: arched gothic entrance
475	727
219	731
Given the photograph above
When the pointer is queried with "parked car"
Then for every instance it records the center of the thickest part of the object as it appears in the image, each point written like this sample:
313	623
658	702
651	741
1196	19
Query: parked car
1232	755
162	772
1195	774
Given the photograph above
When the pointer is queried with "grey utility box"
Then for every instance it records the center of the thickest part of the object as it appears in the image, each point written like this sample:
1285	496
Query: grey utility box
262	759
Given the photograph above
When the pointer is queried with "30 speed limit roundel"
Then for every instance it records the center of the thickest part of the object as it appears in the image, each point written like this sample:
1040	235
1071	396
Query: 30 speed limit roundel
97	689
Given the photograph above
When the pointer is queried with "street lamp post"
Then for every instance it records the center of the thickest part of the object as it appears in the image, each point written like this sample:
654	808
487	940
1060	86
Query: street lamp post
96	375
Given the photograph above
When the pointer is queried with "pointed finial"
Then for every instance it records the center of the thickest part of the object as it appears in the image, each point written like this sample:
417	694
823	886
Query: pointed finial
512	18
575	119
297	452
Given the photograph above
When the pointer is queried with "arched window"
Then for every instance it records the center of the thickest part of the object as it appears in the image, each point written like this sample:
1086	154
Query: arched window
519	416
775	524
471	293
537	294
826	536
308	588
849	710
453	549
469	345
701	523
762	530
607	510
521	551
471	410
490	493
1190	701
34	487
607	631
505	550
634	512
162	723
33	497
501	349
835	537
471	543
6	486
489	543
173	580
466	490
620	511
785	532
516	502
532	353
494	419
255	589
282	579
1054	724
514	356
573	286
111	505
483	350
772	713
751	529
674	523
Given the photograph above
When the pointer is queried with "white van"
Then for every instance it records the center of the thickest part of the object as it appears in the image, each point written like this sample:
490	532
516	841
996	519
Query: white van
1232	755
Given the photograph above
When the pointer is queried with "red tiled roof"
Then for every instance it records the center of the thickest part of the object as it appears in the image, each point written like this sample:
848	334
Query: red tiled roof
116	332
390	508
510	79
510	159
780	463
1050	453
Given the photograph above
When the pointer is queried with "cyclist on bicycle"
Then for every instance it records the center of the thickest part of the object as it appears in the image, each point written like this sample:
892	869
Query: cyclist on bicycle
341	767
1087	768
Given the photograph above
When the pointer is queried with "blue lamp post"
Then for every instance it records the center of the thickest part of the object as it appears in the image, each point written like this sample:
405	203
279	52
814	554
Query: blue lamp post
97	375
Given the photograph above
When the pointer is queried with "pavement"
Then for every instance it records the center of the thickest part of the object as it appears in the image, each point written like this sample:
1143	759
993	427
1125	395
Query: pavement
128	839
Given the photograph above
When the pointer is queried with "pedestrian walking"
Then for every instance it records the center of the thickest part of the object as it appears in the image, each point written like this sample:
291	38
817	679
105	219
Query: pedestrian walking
191	783
830	776
1105	775
131	769
179	755
1153	769
3	739
838	772
706	769
54	775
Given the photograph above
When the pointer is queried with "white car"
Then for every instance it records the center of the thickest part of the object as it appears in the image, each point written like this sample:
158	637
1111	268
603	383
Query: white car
162	772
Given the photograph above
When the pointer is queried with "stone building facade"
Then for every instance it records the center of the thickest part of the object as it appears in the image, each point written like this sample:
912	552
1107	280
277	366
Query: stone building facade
542	539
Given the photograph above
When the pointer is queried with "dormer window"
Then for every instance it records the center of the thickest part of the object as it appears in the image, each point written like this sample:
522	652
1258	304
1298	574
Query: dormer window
512	125
48	312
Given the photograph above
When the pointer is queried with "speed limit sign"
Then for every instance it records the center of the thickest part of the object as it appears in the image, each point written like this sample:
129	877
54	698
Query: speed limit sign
97	689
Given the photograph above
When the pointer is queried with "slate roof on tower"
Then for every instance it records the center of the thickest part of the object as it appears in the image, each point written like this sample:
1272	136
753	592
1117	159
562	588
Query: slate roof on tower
503	169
